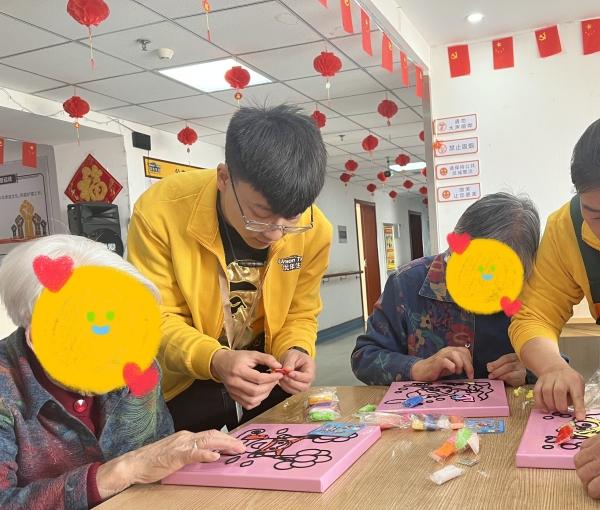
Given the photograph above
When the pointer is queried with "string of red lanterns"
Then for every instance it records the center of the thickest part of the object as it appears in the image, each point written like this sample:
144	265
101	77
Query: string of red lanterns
88	13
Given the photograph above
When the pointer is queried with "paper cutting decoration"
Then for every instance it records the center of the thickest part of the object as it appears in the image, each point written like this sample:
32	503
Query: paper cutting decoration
484	276
92	183
474	399
281	457
538	446
95	329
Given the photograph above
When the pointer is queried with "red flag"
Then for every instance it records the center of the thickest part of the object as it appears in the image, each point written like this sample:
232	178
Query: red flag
365	23
1	151
419	75
590	31
346	16
460	63
29	154
548	41
503	53
387	55
404	67
323	3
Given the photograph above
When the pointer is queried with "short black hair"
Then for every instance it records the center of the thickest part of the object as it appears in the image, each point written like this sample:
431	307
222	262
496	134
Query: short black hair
585	162
280	153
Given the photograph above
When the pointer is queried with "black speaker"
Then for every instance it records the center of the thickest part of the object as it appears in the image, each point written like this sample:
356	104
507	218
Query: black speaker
141	141
98	221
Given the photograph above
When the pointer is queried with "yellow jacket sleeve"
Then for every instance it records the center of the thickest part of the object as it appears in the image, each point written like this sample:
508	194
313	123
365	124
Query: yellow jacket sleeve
551	292
300	326
182	345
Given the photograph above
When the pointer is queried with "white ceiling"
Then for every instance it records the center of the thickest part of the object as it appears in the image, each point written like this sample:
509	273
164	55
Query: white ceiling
45	52
444	22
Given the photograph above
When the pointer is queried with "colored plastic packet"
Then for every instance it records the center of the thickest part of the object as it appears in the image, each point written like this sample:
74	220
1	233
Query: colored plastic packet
323	405
385	420
485	425
435	422
446	474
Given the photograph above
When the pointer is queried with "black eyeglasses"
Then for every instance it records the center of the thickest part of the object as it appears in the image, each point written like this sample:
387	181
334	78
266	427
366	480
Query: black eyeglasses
259	226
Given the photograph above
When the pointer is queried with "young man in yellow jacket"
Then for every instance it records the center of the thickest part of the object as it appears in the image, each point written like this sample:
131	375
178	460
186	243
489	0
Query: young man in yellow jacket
238	254
566	269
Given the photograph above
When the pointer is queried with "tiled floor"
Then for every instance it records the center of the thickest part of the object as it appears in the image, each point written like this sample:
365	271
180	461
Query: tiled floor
333	361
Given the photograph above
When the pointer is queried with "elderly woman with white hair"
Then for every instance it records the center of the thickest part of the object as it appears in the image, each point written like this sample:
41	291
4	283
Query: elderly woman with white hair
61	449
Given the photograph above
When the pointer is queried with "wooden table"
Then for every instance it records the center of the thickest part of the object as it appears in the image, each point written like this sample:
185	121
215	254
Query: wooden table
392	474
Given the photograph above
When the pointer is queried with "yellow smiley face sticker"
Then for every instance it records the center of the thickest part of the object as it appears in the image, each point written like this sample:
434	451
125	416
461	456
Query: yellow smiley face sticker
96	330
485	277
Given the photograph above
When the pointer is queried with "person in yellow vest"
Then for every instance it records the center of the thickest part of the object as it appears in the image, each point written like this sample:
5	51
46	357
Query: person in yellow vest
567	268
238	254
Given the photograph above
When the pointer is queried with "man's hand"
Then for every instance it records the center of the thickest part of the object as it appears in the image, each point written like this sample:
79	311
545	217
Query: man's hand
587	464
236	369
449	360
558	387
301	370
508	368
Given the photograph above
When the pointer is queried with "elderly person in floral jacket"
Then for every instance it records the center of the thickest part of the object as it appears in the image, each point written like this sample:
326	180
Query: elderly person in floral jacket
418	333
64	450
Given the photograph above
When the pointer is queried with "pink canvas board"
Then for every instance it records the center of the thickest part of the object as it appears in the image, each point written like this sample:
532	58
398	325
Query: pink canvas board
538	448
281	457
475	399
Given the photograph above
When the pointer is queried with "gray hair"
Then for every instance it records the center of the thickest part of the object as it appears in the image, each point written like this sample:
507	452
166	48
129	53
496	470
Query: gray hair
514	220
20	287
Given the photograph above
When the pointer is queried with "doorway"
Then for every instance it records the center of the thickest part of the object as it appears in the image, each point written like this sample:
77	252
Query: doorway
415	231
368	255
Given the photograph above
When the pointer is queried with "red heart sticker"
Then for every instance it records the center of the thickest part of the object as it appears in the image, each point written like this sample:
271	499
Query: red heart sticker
510	307
53	273
140	383
458	242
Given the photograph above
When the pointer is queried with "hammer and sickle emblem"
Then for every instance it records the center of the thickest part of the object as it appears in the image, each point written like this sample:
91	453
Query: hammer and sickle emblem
454	55
346	3
542	36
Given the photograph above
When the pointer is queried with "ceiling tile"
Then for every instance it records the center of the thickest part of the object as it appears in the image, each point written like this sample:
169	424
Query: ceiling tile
325	20
270	94
97	101
291	62
189	48
182	8
69	63
393	81
260	20
375	120
175	127
192	107
334	151
140	88
217	122
310	107
139	114
52	15
339	125
408	95
24	81
215	139
345	83
349	137
402	130
356	105
18	37
351	45
407	141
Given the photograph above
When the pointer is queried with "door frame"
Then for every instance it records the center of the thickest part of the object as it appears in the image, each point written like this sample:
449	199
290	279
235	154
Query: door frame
410	237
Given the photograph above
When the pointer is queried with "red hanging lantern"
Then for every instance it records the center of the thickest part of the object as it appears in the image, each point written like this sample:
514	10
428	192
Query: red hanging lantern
408	184
393	194
424	172
187	136
88	13
423	190
77	108
382	177
370	143
371	188
351	165
320	118
238	79
387	109
328	65
402	159
206	7
345	178
422	136
425	201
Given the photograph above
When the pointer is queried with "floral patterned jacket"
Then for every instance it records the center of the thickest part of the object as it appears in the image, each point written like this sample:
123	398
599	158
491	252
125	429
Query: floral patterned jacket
415	317
45	453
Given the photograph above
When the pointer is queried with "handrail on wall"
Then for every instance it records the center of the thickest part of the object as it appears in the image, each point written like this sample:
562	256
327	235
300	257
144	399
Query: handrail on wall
341	276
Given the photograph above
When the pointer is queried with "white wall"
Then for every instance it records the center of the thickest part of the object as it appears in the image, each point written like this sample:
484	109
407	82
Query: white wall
529	117
342	298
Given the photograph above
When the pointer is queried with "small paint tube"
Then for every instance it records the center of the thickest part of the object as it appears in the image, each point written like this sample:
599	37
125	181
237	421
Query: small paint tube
446	474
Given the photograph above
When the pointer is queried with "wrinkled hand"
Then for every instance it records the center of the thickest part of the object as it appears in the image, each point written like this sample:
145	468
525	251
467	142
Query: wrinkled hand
449	360
559	387
155	461
508	368
587	464
301	370
236	370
